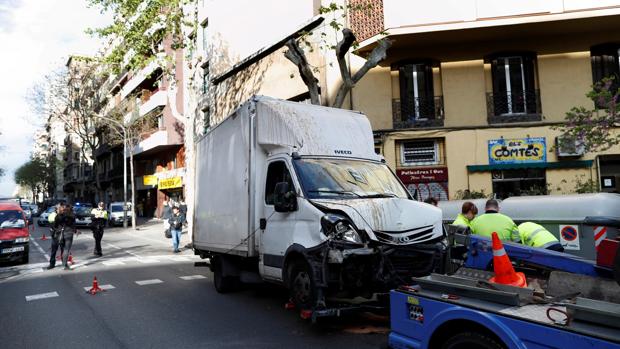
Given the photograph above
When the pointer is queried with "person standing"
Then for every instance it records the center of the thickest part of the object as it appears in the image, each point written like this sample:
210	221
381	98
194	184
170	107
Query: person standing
468	213
535	235
100	217
166	213
493	221
176	225
63	228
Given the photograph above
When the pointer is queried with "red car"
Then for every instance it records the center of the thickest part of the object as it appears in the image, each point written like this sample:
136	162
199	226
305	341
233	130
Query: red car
14	235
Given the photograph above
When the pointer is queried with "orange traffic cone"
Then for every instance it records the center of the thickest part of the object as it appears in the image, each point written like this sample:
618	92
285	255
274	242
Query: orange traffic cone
93	290
43	237
504	272
70	259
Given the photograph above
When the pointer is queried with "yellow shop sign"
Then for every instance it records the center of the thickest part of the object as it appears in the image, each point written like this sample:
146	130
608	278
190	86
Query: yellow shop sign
149	180
170	183
516	151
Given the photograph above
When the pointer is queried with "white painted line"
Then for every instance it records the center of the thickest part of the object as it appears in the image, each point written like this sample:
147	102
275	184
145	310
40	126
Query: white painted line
35	297
39	248
147	260
192	277
79	265
178	258
103	287
149	282
113	263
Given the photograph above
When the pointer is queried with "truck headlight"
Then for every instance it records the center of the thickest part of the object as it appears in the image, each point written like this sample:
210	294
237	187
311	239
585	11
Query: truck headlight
20	240
339	228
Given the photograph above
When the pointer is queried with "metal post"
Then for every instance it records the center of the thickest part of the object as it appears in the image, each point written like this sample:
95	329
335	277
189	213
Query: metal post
124	178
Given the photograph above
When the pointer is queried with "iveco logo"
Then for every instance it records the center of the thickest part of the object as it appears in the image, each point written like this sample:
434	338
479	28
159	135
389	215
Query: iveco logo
343	152
403	239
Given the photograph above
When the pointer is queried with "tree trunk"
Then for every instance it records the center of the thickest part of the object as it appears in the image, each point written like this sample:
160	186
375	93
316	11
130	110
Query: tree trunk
296	55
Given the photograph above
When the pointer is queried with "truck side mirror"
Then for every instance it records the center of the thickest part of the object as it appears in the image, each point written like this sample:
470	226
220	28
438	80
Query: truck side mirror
284	198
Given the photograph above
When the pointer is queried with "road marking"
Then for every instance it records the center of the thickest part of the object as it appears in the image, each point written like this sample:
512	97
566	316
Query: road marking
178	258
146	260
112	262
149	282
103	287
39	248
35	297
192	277
80	265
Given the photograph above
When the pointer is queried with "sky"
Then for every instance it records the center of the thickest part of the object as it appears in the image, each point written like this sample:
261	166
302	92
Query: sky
36	36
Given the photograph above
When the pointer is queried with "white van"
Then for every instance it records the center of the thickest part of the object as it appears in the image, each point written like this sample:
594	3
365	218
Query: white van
116	215
294	193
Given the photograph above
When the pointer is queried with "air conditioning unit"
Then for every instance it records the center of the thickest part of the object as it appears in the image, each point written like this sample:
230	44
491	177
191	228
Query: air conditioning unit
569	147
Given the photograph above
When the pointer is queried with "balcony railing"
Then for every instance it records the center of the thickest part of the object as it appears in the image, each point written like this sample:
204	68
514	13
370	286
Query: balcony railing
520	106
423	112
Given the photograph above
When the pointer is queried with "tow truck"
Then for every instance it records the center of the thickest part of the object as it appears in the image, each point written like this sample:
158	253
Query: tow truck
570	302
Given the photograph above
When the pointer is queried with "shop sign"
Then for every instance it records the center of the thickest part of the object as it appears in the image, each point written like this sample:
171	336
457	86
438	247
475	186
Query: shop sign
149	180
425	182
417	175
517	151
170	183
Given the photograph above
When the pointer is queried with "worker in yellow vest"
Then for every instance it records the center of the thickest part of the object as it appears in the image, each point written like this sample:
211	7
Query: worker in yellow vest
493	221
468	213
100	218
535	235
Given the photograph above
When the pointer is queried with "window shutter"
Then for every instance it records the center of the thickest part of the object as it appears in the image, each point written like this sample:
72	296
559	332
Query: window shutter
407	102
529	72
500	97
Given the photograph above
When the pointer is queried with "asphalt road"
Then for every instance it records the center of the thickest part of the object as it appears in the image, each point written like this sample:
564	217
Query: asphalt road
154	299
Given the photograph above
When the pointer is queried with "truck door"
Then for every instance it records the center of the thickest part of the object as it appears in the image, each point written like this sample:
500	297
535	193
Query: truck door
277	235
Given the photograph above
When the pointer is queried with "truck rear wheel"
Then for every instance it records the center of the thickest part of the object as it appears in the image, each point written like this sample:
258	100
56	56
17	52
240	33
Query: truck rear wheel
467	340
223	284
302	287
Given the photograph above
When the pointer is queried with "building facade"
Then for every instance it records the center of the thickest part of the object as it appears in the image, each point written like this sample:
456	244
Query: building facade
471	92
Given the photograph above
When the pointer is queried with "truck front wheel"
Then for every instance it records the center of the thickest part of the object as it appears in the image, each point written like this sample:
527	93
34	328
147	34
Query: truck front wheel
301	286
467	340
223	284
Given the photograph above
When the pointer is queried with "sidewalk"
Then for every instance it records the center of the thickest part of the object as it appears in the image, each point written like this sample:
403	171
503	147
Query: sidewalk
152	229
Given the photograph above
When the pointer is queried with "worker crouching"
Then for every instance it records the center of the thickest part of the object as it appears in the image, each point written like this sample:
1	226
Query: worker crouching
535	235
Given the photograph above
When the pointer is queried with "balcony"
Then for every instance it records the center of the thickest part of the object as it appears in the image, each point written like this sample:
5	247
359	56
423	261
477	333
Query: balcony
423	112
155	100
520	106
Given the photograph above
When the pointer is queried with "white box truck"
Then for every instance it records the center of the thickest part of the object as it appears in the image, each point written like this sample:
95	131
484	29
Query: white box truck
295	194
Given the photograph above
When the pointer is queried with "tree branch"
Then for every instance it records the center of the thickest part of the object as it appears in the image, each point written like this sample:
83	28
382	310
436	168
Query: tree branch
375	57
296	55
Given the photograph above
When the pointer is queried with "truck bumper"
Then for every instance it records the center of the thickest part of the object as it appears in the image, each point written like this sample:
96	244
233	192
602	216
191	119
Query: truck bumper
397	341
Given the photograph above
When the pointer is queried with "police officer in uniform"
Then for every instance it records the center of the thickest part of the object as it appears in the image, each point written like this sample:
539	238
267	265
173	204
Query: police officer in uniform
493	221
62	224
100	217
535	235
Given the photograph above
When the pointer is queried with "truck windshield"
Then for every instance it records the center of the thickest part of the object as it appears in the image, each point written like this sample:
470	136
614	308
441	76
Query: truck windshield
11	219
335	178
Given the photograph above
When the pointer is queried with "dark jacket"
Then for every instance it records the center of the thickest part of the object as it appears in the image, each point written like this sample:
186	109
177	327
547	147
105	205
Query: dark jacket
166	212
176	221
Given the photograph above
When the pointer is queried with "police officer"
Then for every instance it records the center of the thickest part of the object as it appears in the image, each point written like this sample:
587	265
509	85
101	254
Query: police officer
535	235
100	217
468	213
493	221
62	224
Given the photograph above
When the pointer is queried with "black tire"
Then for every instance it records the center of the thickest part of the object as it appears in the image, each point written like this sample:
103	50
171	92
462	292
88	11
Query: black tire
223	284
25	258
301	285
468	340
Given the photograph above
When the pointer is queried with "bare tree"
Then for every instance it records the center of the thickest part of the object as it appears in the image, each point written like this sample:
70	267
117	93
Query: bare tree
296	53
74	95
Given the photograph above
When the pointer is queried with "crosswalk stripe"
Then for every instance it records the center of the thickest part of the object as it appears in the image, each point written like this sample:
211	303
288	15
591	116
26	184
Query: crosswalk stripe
192	277
110	263
149	282
35	297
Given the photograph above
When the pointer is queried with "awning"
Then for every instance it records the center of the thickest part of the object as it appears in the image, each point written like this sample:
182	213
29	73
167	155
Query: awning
549	165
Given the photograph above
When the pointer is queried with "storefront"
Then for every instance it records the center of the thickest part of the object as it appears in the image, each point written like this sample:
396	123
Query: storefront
154	189
426	182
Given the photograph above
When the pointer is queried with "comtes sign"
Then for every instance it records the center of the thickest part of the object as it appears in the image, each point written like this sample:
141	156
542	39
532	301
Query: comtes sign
519	150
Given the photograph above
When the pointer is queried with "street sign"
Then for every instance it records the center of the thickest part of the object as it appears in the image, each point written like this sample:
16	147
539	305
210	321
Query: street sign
569	237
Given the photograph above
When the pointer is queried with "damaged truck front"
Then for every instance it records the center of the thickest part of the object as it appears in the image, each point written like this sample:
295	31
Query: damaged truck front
294	194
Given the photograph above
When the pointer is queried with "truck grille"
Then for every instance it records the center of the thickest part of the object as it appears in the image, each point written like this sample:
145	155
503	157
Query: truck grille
416	235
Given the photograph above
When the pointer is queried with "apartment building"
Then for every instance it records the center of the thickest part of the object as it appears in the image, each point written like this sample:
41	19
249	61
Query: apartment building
471	90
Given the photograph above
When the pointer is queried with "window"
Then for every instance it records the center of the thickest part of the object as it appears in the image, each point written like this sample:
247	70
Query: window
205	79
424	152
205	43
276	173
605	64
206	119
528	181
416	91
514	86
76	156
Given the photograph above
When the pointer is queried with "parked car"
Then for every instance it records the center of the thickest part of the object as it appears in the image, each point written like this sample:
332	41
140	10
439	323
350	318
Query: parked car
42	221
83	216
14	235
35	210
28	213
115	216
